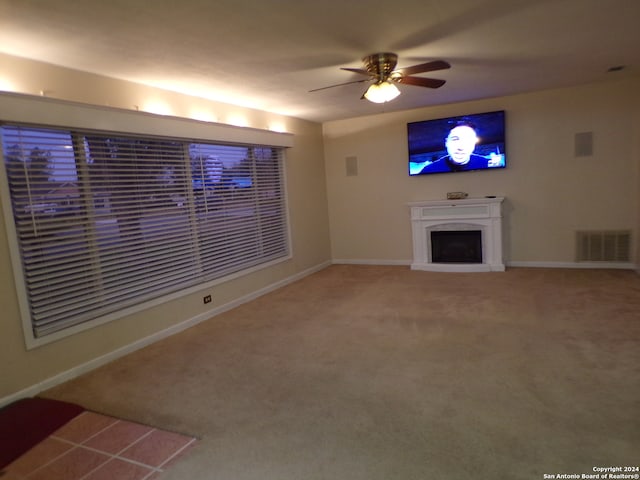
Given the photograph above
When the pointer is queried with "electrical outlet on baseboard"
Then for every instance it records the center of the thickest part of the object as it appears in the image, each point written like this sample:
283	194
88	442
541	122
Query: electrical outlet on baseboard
206	299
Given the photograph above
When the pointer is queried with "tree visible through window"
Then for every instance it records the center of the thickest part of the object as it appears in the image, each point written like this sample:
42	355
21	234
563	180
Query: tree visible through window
105	222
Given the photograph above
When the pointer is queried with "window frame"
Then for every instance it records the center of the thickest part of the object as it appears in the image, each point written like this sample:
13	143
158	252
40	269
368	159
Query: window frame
14	245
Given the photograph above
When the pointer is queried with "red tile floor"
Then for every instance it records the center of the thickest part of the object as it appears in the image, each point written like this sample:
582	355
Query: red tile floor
97	447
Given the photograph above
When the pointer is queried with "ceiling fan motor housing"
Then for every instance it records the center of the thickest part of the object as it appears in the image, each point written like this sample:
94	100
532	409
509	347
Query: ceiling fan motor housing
381	64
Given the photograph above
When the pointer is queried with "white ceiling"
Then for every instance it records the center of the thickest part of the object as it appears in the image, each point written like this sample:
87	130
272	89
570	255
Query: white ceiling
268	54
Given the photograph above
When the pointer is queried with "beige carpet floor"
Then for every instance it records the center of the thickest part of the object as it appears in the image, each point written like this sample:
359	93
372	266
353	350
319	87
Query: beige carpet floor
380	373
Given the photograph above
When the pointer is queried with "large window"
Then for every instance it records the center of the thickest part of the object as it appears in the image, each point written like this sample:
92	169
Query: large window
108	221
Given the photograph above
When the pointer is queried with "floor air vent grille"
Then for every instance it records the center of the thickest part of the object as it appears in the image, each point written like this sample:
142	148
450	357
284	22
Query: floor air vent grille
603	246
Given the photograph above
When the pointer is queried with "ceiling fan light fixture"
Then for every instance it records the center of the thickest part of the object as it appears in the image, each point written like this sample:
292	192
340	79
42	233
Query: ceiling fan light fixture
381	92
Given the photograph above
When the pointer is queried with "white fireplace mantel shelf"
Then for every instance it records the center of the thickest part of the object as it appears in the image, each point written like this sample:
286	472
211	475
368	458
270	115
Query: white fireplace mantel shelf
484	214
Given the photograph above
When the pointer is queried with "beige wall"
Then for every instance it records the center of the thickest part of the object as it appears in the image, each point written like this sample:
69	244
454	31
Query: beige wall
20	368
549	192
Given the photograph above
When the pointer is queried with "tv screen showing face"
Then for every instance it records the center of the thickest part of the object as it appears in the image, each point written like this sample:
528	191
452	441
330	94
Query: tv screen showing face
457	144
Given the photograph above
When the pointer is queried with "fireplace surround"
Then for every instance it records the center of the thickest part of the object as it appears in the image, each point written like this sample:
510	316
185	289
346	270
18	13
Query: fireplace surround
464	215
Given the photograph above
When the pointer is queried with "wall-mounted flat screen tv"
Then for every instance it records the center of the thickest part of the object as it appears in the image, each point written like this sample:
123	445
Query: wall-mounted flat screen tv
457	144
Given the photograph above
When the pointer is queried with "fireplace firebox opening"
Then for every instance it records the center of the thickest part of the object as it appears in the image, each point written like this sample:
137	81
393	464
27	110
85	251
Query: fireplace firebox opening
459	246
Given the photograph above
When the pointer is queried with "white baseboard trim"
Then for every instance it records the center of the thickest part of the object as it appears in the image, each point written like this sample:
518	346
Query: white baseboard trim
339	261
137	345
601	265
586	265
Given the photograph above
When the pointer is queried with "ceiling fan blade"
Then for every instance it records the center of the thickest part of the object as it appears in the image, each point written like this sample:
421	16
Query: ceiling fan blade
359	70
421	82
339	85
425	67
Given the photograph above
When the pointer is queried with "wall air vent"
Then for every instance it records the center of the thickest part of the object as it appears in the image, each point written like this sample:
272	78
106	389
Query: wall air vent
603	246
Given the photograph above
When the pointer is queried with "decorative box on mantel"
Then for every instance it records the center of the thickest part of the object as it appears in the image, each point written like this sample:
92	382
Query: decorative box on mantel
457	235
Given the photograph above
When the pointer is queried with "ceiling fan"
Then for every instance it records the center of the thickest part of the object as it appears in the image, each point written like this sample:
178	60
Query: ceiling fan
380	68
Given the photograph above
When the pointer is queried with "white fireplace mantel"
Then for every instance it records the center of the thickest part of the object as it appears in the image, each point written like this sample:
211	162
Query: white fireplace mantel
484	214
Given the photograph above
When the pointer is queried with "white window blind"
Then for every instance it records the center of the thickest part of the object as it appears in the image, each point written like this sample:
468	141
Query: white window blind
108	221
